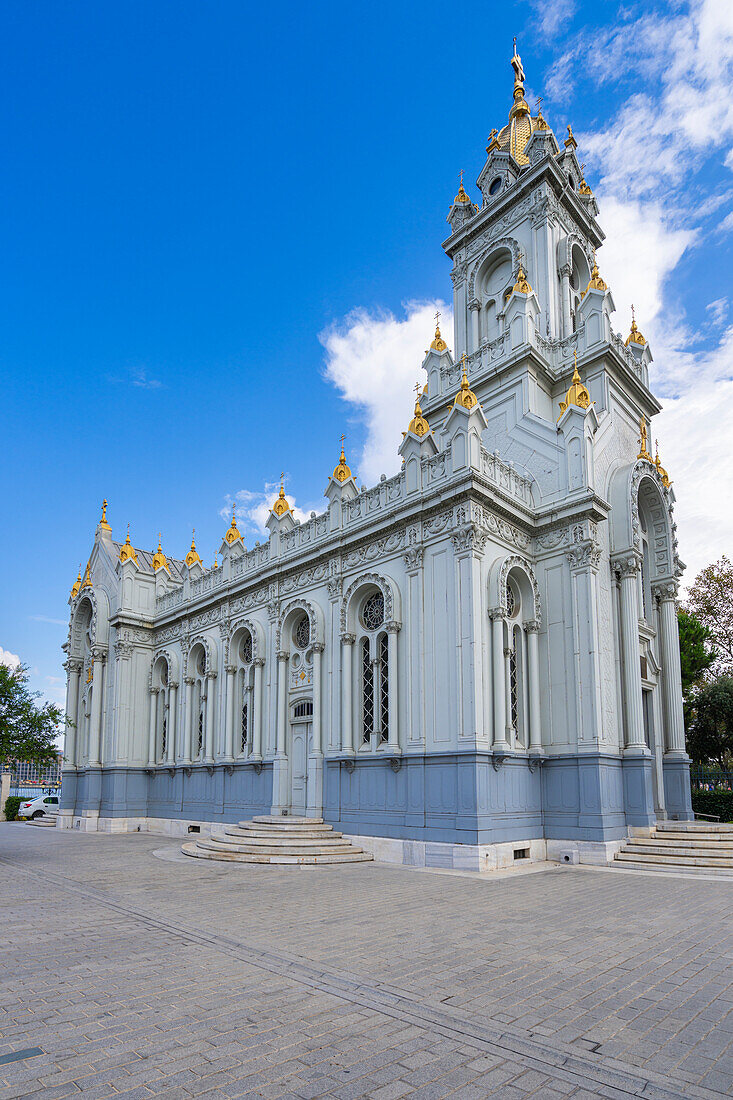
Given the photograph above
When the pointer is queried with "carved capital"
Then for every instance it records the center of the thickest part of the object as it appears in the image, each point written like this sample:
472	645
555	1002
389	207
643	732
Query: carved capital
259	662
318	647
496	613
665	590
348	639
74	665
532	626
99	653
627	566
413	557
470	538
190	680
211	675
584	555
393	627
282	655
230	669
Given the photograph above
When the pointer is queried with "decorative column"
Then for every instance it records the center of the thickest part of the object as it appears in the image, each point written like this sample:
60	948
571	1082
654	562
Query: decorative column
259	703
170	756
314	807
318	648
152	722
188	721
500	692
231	673
671	672
584	558
210	717
533	670
280	794
393	741
95	733
628	569
347	725
74	667
567	323
474	307
510	731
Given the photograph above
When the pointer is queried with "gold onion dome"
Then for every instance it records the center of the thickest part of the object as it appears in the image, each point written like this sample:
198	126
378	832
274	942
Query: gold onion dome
521	284
342	471
634	337
577	394
438	343
193	555
127	550
87	578
281	506
596	282
461	196
418	425
159	559
465	398
520	127
233	533
76	585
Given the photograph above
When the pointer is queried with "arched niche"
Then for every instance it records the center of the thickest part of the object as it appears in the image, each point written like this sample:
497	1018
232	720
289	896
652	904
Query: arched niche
359	589
291	618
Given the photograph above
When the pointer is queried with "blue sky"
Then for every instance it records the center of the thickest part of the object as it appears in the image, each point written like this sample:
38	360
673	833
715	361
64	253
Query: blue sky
221	248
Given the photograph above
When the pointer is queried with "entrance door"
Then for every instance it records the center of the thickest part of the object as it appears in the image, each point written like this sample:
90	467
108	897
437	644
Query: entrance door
300	745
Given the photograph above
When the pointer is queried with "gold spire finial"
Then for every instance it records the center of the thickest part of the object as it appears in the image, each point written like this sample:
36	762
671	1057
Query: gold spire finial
584	189
76	585
577	393
233	533
87	578
438	343
595	282
215	566
461	196
341	472
193	555
634	337
159	559
540	122
418	425
521	284
281	506
660	468
643	451
570	142
493	141
103	521
127	550
465	398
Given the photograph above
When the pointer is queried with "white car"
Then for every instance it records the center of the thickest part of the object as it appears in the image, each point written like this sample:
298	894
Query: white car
37	807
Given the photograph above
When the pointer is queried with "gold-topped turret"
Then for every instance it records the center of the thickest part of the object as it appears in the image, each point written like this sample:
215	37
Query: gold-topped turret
521	284
438	343
342	471
418	425
103	521
160	561
233	533
76	585
461	196
595	282
192	557
634	336
577	394
281	506
643	450
465	398
87	582
127	550
570	142
583	189
660	468
517	132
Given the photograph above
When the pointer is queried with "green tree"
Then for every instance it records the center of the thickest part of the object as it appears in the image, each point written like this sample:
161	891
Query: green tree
27	731
711	736
710	600
696	658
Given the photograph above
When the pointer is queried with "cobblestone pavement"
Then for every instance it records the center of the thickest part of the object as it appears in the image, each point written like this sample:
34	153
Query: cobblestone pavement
140	976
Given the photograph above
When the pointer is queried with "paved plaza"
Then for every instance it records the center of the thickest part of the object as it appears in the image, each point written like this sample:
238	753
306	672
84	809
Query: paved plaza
135	972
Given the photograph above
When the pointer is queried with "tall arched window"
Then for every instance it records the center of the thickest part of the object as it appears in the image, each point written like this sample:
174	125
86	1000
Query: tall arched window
245	695
516	665
373	672
199	703
162	703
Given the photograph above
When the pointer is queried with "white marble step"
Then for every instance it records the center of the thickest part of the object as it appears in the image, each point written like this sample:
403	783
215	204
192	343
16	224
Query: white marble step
268	819
721	844
272	834
686	868
351	856
650	848
679	861
694	827
278	849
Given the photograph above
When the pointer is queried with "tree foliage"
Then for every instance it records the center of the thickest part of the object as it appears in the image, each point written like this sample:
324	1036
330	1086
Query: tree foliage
710	600
711	734
27	731
696	652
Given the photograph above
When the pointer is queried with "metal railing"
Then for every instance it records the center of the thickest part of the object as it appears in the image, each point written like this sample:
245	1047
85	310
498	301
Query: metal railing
706	778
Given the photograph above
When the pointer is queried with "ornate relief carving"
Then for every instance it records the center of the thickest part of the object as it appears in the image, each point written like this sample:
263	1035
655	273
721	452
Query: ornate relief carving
413	557
378	549
515	562
469	538
381	583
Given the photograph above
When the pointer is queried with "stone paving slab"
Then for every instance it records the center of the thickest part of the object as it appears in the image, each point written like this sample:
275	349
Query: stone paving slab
138	976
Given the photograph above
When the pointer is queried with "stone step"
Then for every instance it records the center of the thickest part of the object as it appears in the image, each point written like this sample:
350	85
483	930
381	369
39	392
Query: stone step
278	849
679	840
293	842
694	827
672	868
47	821
284	830
262	831
680	861
351	856
268	819
672	850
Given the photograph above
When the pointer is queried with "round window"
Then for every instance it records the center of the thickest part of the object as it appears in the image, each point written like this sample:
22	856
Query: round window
512	600
495	186
372	614
302	632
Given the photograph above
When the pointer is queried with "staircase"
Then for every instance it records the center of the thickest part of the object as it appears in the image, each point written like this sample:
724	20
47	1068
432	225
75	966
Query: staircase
301	840
698	848
48	821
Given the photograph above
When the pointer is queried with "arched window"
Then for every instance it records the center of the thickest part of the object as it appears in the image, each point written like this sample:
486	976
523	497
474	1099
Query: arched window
245	693
199	702
373	672
519	609
301	654
162	702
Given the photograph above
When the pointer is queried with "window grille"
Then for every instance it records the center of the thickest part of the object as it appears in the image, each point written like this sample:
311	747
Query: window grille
367	680
164	735
304	709
244	725
373	611
247	649
383	690
511	603
302	634
514	685
200	741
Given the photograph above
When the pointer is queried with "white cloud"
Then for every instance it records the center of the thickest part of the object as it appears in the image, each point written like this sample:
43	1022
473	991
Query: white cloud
10	660
45	619
552	16
718	310
374	360
253	508
139	377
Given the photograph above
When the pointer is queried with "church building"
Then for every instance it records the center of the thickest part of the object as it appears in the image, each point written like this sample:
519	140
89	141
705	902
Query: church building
473	661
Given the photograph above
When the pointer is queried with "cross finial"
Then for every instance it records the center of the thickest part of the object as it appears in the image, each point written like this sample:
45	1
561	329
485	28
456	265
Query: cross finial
104	511
461	177
633	316
437	317
343	437
417	391
539	104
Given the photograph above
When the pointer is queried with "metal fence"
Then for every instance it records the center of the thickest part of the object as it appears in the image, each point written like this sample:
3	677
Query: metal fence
33	792
710	779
